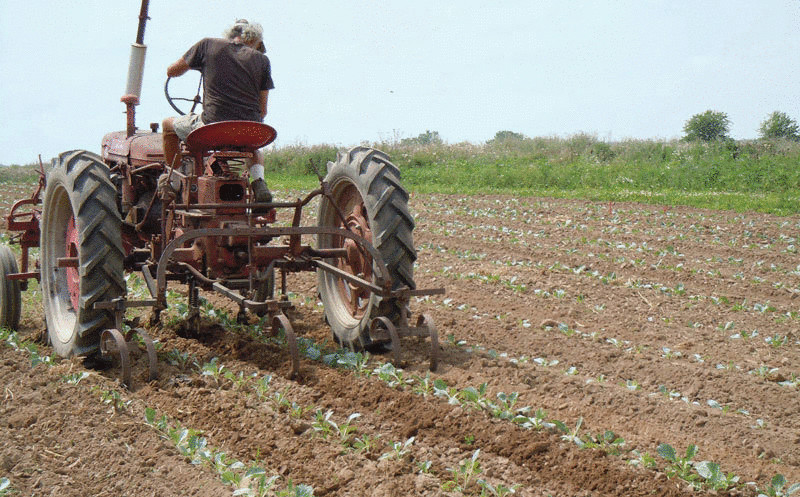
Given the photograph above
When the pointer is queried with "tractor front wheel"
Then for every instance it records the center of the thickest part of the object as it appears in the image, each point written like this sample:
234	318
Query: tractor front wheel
81	252
367	199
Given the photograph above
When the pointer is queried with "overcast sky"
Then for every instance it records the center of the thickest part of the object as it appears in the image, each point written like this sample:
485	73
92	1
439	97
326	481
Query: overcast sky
352	71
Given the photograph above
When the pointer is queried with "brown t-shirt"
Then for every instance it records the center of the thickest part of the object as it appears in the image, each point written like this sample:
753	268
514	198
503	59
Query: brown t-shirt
233	77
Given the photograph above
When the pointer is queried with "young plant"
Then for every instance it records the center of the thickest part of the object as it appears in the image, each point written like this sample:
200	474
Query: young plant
488	489
714	477
679	466
776	488
399	450
355	361
464	474
113	398
5	487
365	443
213	369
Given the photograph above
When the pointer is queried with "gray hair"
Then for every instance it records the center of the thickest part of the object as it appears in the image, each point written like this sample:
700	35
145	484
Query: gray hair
247	31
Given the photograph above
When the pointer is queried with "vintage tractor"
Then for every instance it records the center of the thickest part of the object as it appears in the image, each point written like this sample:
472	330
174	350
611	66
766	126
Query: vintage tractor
96	217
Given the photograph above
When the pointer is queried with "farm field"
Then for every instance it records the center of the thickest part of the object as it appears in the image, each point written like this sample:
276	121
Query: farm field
580	341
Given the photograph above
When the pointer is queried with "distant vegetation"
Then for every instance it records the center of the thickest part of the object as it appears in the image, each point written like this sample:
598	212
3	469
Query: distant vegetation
19	174
719	173
760	175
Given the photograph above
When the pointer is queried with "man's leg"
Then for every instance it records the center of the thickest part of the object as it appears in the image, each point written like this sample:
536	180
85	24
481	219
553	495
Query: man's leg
172	144
260	191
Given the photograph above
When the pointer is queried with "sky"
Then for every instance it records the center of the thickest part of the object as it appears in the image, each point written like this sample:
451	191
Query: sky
355	71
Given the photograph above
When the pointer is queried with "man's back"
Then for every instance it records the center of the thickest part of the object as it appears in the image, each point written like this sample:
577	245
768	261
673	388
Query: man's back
233	77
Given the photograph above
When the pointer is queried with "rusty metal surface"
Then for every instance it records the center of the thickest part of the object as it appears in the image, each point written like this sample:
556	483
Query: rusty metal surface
151	351
383	279
112	341
243	135
143	148
281	322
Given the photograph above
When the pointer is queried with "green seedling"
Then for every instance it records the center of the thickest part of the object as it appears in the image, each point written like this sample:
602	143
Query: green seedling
355	361
75	378
487	489
643	459
778	488
424	467
261	387
441	389
213	369
399	450
280	401
114	399
297	411
571	435
178	358
464	474
679	466
5	487
607	441
365	443
714	477
390	375
423	386
258	483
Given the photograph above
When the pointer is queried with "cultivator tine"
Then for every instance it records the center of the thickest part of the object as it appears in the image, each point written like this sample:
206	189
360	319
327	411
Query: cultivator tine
280	321
151	351
425	321
111	340
383	323
381	328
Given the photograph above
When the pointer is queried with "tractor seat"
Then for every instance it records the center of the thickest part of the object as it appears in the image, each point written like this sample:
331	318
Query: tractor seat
247	136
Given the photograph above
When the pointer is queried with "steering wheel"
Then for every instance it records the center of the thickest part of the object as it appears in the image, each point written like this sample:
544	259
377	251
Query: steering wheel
196	100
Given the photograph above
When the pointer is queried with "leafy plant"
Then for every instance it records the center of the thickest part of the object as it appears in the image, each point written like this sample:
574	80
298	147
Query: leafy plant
114	399
714	477
678	466
5	487
399	450
778	488
464	474
365	443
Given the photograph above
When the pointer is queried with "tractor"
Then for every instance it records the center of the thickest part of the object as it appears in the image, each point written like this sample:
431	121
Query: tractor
96	217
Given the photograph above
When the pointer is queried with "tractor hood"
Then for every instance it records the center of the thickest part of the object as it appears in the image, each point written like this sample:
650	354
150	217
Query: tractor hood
144	147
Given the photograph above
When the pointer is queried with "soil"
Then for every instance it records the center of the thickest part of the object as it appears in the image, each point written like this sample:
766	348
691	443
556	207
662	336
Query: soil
677	326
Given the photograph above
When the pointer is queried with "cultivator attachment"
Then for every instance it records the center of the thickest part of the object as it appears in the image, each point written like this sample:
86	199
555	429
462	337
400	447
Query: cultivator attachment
382	329
114	344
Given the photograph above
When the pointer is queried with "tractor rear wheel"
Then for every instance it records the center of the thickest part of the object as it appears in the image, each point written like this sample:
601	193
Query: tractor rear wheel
366	188
81	252
10	299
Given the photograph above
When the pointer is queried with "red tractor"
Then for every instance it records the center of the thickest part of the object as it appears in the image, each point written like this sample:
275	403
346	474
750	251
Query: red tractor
96	217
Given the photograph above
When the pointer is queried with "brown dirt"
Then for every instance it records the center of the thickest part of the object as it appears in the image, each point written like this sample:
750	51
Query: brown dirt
626	298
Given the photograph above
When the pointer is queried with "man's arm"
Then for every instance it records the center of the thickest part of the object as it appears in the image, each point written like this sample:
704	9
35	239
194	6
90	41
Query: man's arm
178	68
262	97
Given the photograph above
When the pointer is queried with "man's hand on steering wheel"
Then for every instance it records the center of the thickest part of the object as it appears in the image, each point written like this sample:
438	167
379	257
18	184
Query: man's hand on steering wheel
195	101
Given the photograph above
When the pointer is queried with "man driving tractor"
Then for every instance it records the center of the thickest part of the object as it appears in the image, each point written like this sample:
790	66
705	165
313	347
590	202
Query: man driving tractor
236	83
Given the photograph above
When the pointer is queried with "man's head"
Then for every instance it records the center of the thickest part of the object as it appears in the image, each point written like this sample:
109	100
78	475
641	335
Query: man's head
250	34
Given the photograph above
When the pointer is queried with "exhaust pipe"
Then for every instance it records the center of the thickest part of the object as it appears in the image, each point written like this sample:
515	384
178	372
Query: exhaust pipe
136	72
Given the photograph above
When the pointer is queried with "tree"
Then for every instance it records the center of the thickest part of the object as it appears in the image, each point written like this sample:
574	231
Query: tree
507	136
779	125
427	138
708	126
